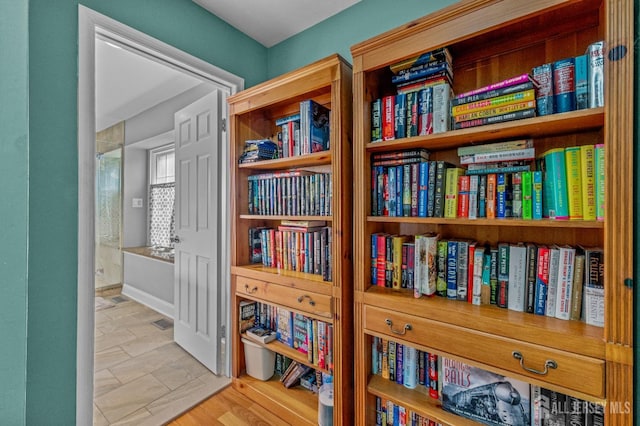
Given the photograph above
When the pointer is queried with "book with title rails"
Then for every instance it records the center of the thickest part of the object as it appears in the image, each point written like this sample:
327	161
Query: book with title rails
564	84
502	118
555	184
543	75
512	98
440	54
486	397
582	82
595	59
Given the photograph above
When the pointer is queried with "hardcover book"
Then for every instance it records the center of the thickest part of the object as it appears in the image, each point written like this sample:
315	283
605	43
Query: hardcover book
582	82
595	59
543	74
261	334
587	168
564	85
517	277
486	397
555	185
247	314
574	182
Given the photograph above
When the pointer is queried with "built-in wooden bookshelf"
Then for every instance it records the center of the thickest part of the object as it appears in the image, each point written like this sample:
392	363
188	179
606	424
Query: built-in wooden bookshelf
490	41
253	114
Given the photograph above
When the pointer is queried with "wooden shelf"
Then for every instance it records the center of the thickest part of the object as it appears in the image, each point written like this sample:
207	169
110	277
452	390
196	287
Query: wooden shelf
288	351
555	124
509	222
416	400
295	405
571	336
315	159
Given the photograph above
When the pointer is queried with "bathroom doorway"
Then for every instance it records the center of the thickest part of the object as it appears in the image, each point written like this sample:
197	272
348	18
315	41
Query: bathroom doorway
91	25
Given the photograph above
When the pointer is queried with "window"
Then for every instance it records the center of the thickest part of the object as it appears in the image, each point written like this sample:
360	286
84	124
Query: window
162	196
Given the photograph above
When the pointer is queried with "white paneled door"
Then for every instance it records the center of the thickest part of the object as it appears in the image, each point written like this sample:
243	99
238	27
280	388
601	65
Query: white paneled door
197	288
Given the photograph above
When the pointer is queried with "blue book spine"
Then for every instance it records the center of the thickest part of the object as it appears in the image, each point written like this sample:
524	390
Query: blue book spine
401	116
283	120
582	82
556	178
374	259
392	190
543	75
537	194
399	363
424	72
452	270
410	364
380	193
482	196
423	189
374	355
398	189
564	84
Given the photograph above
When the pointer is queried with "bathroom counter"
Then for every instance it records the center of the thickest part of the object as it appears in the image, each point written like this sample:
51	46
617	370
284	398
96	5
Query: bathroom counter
163	254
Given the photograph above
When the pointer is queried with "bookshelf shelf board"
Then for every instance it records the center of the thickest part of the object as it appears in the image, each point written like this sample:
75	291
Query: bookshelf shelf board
283	217
282	276
544	223
295	405
571	336
289	352
315	159
416	400
554	124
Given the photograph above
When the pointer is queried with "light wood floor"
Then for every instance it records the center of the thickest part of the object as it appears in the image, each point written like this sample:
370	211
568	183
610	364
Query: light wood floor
229	408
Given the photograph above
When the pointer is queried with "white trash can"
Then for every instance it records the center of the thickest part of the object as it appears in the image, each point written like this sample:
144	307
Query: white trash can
260	362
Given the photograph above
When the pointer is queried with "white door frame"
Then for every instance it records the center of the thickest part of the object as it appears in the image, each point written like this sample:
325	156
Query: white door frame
90	25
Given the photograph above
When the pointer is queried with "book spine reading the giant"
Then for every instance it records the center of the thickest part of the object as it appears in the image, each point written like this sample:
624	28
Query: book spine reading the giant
564	85
527	95
574	182
595	59
503	118
522	78
543	75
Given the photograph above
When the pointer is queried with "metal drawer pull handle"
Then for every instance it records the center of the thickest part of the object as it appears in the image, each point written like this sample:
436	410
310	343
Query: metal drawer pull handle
404	330
311	301
250	290
547	364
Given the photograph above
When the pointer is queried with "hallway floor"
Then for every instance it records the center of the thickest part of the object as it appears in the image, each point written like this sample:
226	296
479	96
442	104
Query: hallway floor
141	376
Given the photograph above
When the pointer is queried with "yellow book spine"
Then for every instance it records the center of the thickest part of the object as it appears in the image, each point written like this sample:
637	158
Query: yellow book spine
527	95
587	168
451	192
396	244
384	369
574	182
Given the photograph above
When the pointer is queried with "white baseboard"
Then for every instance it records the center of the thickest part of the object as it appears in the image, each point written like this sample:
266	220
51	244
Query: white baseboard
149	300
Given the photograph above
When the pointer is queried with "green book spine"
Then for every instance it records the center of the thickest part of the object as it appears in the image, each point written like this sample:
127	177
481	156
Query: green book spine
527	195
599	155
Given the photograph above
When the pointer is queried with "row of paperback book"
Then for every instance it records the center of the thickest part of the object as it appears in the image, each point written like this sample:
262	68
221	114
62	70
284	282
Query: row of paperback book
292	192
309	336
293	248
292	373
556	281
425	102
499	180
483	396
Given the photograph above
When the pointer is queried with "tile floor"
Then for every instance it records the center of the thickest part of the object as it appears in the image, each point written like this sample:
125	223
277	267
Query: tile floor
141	376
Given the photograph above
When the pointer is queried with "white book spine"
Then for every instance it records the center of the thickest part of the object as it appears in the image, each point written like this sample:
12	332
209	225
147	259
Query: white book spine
419	270
492	157
517	277
441	108
565	283
554	261
429	283
478	264
473	196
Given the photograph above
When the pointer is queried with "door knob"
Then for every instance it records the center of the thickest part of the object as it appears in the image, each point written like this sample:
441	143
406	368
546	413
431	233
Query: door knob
175	239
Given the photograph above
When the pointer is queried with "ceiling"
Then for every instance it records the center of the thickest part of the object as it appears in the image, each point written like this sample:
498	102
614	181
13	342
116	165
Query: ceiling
272	21
128	83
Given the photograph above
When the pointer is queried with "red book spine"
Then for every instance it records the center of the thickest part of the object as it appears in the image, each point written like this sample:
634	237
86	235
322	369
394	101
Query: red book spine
464	185
433	376
388	117
382	261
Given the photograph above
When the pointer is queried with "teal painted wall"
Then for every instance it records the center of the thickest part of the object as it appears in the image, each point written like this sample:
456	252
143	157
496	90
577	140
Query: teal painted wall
52	267
338	33
13	211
